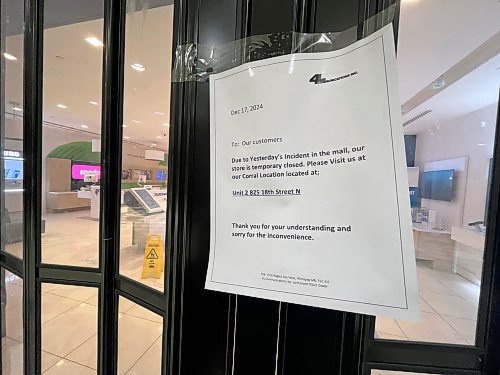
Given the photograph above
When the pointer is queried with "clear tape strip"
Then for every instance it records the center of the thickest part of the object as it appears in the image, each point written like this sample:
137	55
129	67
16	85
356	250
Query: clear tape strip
196	62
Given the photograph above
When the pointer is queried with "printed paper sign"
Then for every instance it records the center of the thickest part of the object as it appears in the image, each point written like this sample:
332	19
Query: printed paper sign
309	188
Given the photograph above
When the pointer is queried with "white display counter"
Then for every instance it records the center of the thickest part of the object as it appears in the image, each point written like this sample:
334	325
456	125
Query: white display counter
94	195
469	252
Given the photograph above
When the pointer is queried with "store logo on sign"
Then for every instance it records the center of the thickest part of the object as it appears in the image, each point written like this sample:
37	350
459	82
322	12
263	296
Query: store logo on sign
318	78
14	154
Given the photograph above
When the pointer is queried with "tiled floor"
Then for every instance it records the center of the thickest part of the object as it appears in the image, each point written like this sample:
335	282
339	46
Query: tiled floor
69	313
73	238
449	311
69	332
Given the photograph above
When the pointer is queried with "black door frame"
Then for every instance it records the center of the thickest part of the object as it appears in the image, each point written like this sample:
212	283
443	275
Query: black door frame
208	332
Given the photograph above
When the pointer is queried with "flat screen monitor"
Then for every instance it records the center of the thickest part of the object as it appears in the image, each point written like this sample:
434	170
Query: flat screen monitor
147	201
13	169
438	185
78	171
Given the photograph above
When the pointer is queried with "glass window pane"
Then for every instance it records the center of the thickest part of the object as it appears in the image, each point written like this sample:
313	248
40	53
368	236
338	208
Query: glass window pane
12	323
139	356
69	329
72	72
11	125
449	81
145	144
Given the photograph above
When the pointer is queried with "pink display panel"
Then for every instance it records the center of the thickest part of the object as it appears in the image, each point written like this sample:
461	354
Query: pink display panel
78	170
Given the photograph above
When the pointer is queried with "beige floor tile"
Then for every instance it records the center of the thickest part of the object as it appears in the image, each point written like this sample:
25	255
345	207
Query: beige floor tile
14	292
65	367
49	360
150	362
47	287
77	293
14	321
85	354
465	327
12	356
69	330
451	305
385	336
425	307
53	306
135	337
432	328
388	326
141	312
473	301
123	306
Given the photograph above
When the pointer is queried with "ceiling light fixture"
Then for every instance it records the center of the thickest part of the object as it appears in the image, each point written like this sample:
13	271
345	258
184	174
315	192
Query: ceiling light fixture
158	137
124	126
84	126
136	121
125	137
153	144
93	102
159	113
138	67
61	106
94	41
166	124
481	144
10	57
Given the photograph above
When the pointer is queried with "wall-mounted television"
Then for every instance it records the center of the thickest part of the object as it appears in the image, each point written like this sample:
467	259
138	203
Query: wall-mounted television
438	185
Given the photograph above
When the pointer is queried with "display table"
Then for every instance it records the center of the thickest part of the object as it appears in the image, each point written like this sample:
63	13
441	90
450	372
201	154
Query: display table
94	195
144	224
469	252
434	246
63	201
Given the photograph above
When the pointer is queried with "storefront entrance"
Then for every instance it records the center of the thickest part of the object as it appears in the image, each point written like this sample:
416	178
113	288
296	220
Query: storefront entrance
105	146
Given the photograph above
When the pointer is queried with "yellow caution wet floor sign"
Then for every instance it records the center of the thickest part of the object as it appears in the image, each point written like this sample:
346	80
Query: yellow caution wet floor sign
154	261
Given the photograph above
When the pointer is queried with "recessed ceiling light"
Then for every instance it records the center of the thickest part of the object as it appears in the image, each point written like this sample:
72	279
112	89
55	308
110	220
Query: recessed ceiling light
94	41
61	106
166	124
153	144
125	137
84	126
136	121
439	83
16	109
10	57
124	125
138	67
158	137
93	102
481	144
159	113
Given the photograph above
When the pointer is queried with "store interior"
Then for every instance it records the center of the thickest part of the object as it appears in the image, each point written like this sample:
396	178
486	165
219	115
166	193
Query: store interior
449	78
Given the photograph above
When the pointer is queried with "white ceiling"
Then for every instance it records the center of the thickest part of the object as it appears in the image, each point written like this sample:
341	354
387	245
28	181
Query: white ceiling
433	37
72	75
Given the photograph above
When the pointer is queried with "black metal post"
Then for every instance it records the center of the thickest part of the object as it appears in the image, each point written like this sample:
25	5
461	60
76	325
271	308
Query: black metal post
32	197
111	160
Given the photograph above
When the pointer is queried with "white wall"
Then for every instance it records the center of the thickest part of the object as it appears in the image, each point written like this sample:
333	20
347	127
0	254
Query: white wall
471	136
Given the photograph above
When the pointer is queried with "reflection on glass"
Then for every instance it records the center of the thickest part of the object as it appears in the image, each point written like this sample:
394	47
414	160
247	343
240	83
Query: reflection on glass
449	137
145	145
12	323
69	329
11	126
138	356
71	133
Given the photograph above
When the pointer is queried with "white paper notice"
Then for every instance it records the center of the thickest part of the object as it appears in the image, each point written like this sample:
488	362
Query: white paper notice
309	189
